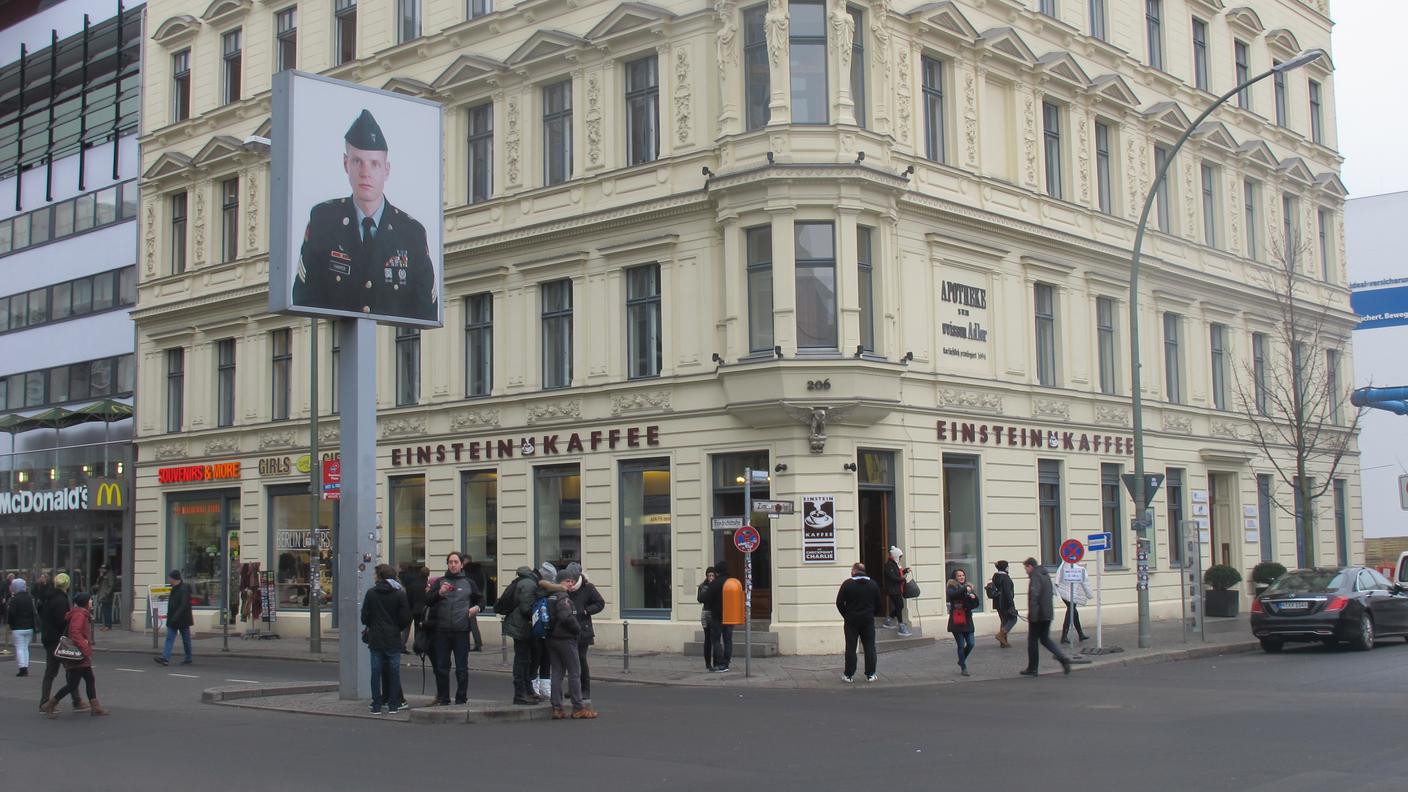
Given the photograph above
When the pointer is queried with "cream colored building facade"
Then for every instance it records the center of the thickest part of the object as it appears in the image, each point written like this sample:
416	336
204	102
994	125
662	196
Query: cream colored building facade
917	216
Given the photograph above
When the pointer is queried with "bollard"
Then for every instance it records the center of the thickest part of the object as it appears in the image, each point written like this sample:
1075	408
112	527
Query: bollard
503	649
152	620
625	647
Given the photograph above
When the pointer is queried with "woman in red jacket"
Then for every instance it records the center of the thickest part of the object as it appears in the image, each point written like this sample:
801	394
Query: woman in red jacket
80	631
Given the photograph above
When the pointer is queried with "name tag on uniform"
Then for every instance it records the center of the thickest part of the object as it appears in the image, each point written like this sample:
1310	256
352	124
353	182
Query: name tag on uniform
339	262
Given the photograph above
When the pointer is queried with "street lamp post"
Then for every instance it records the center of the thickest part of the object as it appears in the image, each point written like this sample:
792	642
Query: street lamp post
1142	522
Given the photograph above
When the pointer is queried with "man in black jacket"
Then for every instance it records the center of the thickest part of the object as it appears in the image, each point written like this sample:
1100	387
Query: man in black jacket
859	601
1039	612
53	620
179	619
722	635
1004	602
385	612
455	601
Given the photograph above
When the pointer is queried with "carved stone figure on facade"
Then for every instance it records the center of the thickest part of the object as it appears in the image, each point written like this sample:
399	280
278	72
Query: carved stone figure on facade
728	31
775	26
815	418
843	31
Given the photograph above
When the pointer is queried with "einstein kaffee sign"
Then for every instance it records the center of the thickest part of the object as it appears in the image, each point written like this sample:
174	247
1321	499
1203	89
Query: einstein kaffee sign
93	495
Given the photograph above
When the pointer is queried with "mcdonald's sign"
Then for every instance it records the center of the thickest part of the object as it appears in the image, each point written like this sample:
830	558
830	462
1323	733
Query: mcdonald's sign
105	494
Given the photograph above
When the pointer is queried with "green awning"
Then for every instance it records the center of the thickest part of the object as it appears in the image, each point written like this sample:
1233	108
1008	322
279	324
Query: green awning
106	410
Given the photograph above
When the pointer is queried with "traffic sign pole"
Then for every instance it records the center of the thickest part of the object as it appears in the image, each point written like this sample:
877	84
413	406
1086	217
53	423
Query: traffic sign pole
1099	621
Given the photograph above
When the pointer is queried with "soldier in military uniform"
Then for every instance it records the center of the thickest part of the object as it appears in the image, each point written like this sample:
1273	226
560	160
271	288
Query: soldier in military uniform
360	253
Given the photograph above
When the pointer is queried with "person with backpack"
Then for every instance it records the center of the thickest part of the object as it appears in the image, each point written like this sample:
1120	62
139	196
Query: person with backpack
588	602
859	602
961	602
547	586
21	616
894	589
1004	600
386	612
78	628
53	621
563	632
706	617
455	601
515	607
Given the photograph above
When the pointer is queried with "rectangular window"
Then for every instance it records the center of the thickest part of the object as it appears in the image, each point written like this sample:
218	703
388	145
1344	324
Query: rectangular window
858	64
1305	543
103	294
1153	22
1341	523
1051	133
344	31
756	77
408	20
1209	177
225	382
63	219
1317	120
1097	20
1105	332
293	545
178	233
38	306
60	307
807	56
180	86
642	110
1045	299
1173	499
100	378
84	215
557	132
865	286
1265	517
286	38
1218	352
58	385
1111	516
233	54
557	514
646	557
335	358
479	8
816	286
480	538
1259	382
934	135
478	344
1200	54
1279	79
1332	385
1047	7
407	522
1162	204
39	226
1252	208
557	334
127	286
760	336
1290	234
1173	361
1104	188
82	296
1048	492
407	366
643	330
281	360
1242	64
175	388
229	219
481	152
962	509
1322	228
196	527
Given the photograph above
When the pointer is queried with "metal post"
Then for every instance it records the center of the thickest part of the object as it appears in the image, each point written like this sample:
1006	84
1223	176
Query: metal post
625	647
1099	619
315	496
151	617
748	578
356	539
225	588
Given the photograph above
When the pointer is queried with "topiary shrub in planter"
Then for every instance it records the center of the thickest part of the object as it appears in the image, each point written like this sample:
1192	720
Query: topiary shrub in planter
1223	599
1266	573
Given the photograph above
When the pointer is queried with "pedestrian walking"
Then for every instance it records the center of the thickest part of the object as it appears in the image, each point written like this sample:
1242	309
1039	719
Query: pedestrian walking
723	633
455	601
385	612
21	615
1039	619
563	633
859	602
1073	592
962	599
895	573
587	602
1004	600
515	606
179	619
53	622
106	589
706	617
78	627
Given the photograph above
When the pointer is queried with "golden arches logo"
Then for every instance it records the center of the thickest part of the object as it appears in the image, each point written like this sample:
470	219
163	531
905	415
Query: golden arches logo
109	494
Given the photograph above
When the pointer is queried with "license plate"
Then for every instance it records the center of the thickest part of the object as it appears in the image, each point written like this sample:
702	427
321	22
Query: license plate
1295	606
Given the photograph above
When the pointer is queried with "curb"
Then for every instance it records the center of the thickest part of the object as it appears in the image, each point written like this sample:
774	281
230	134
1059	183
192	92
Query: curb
219	695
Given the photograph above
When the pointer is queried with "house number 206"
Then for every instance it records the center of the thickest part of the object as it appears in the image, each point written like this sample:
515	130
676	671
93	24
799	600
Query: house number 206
816	385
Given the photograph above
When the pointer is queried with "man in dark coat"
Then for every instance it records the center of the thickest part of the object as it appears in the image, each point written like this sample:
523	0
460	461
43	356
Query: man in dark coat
1039	614
723	635
360	253
455	601
1004	601
385	613
179	619
859	602
518	625
53	621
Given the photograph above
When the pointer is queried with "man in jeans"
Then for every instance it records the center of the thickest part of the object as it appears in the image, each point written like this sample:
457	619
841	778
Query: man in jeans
518	625
455	601
385	612
178	619
859	601
721	635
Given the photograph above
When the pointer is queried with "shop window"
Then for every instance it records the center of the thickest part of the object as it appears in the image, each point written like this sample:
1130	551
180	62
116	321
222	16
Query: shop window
194	544
1111	517
480	530
293	544
1173	498
646	557
1048	490
407	522
557	514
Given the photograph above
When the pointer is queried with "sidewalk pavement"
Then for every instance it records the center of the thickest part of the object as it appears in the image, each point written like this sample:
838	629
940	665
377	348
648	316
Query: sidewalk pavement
926	664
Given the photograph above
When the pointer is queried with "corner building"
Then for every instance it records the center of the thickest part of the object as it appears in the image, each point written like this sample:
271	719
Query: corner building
675	231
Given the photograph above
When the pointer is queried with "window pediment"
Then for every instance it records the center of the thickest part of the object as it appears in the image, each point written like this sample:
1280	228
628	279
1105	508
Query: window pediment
945	18
1063	67
1257	151
221	10
467	69
176	30
1217	134
407	86
1005	41
1113	88
265	128
1246	19
1330	183
1283	41
1295	168
545	44
1168	114
627	18
169	164
219	148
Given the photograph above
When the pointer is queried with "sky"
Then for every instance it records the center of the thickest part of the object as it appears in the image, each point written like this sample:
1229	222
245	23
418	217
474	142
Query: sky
1366	46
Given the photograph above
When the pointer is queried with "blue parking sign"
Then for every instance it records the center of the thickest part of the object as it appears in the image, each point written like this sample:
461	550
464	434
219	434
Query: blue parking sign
1097	542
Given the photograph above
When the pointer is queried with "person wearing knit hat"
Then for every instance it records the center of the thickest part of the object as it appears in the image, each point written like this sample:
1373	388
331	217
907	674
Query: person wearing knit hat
547	586
62	581
53	623
20	616
586	600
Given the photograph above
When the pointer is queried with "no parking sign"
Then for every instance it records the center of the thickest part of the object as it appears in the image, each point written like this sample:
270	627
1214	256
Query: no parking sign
1072	551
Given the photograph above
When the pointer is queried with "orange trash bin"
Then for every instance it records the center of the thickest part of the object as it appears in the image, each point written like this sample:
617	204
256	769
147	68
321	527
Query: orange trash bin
733	601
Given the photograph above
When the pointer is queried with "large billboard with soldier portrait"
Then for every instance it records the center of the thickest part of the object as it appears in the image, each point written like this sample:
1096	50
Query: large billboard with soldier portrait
356	209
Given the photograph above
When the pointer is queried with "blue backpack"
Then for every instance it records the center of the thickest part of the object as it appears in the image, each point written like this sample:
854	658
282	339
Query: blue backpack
542	617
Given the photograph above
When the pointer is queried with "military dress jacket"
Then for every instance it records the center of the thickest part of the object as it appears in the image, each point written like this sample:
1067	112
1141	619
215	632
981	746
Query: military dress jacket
391	275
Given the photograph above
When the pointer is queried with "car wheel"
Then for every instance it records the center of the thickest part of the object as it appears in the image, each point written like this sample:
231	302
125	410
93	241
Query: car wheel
1271	645
1364	638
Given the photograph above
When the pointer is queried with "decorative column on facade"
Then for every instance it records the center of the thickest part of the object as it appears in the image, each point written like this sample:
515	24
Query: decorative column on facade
880	66
1082	115
677	127
784	278
595	158
198	223
904	91
513	136
1136	171
1190	194
1027	107
250	180
604	353
1234	242
519	360
775	29
1018	291
726	61
843	34
199	365
149	238
973	80
253	352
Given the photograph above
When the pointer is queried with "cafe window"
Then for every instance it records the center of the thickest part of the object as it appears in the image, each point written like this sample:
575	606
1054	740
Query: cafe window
1048	490
293	545
963	515
646	557
557	514
1110	515
407	523
1173	496
193	542
480	531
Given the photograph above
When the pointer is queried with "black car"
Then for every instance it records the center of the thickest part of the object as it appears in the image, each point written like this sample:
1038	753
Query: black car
1355	604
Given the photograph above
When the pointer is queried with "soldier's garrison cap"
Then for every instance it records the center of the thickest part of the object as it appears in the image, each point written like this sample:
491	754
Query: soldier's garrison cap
365	134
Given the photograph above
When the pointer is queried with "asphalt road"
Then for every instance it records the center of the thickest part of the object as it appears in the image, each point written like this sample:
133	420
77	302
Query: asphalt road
1308	719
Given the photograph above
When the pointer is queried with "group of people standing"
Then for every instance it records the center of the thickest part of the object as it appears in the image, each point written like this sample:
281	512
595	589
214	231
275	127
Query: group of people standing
59	621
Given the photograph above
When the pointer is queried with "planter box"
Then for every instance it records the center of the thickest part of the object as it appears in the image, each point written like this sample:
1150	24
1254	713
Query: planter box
1221	603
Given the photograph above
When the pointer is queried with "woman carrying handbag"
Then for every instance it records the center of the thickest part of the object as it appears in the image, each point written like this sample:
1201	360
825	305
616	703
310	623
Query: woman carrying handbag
961	602
75	650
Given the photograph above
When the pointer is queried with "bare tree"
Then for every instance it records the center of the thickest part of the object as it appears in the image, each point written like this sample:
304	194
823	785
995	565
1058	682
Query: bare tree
1293	393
